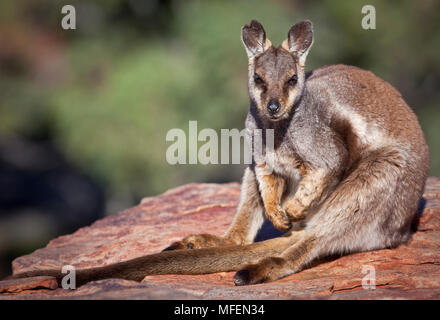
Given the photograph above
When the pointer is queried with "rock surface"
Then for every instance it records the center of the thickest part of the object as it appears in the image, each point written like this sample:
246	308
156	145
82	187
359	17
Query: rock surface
20	285
411	271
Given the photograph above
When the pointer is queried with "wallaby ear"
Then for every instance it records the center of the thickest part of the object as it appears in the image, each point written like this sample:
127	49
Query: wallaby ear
299	40
254	39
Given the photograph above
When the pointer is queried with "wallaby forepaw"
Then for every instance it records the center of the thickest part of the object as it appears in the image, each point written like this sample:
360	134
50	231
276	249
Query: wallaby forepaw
279	218
294	211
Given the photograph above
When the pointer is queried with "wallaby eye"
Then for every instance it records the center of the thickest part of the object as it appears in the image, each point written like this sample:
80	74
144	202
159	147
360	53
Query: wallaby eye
258	80
293	80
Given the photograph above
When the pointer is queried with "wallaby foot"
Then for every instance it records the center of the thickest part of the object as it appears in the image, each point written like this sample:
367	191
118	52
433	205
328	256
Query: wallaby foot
198	241
272	268
264	271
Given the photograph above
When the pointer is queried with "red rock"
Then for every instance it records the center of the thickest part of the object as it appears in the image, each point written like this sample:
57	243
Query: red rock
145	229
32	283
411	271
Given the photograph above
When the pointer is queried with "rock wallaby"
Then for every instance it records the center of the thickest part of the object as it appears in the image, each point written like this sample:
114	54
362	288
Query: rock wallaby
346	173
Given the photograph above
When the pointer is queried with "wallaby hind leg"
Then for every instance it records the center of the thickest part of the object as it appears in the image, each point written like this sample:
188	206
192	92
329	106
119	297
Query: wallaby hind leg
352	218
275	267
247	221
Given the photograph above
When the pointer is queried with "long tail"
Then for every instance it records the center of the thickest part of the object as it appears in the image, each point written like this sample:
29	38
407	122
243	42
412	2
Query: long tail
197	261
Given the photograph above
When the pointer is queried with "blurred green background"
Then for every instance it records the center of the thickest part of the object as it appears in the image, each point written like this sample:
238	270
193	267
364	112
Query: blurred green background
84	113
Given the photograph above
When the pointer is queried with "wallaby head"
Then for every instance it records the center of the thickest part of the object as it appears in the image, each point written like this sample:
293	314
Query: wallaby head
276	75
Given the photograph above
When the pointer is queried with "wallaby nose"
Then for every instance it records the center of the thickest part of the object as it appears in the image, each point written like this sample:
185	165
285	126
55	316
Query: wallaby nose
273	107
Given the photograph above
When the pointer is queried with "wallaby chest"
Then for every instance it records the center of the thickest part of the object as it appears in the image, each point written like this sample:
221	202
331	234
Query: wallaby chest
284	161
